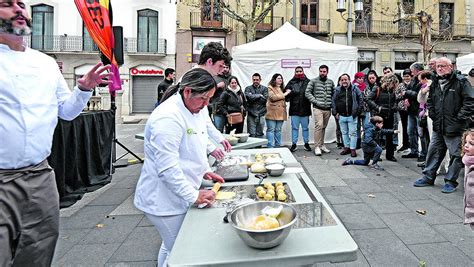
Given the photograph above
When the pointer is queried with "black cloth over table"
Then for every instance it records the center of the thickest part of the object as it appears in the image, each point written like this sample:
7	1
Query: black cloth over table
81	153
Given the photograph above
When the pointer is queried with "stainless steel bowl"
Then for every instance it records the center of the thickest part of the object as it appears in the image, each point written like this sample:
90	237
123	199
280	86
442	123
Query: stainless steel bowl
233	141
243	137
275	169
244	215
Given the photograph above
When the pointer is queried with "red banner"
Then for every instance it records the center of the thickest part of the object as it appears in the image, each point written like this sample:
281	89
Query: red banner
97	16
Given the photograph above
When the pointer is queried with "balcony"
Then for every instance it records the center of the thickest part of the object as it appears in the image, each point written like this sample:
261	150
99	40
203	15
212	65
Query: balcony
61	43
145	46
456	30
270	23
198	21
313	25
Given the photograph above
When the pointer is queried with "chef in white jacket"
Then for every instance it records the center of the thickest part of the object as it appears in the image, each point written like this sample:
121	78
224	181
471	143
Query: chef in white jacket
176	139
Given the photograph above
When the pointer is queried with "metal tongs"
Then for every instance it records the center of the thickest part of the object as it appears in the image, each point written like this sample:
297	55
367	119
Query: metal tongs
261	176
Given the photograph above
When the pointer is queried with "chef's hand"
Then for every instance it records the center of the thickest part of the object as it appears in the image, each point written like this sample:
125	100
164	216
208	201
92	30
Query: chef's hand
218	154
227	146
205	197
213	176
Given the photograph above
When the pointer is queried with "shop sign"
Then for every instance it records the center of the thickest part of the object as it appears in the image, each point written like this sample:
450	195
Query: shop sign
405	57
145	71
366	56
293	63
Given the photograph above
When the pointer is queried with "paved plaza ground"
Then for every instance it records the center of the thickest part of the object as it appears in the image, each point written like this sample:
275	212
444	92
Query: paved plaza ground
378	208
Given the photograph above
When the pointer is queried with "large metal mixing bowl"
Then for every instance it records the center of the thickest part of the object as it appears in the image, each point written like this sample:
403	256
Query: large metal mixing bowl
262	239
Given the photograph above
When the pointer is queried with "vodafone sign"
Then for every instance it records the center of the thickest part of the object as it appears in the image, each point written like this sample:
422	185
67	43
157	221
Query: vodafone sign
146	71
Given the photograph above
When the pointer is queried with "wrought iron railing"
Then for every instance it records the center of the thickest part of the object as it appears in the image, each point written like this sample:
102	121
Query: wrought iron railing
411	28
270	23
61	43
199	20
145	46
313	25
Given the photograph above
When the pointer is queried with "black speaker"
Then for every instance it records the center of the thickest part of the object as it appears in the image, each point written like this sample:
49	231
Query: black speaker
118	51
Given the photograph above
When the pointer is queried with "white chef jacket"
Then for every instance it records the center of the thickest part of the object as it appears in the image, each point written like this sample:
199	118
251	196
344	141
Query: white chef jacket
176	159
33	93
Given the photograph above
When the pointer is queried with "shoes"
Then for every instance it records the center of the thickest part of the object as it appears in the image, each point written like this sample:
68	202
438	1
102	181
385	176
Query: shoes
307	147
353	153
392	159
348	161
421	159
448	188
421	164
423	182
317	151
403	148
325	149
376	167
293	148
410	156
345	151
340	145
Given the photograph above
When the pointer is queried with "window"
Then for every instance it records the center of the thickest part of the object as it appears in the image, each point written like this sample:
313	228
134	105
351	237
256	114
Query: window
211	13
309	15
363	19
87	42
404	26
147	31
260	6
446	18
42	29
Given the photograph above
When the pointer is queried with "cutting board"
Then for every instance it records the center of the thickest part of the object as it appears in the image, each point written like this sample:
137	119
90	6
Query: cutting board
233	173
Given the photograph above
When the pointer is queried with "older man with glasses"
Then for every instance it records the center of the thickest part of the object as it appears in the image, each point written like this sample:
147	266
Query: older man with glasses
450	105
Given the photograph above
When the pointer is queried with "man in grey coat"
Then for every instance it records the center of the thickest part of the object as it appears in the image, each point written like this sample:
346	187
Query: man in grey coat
319	92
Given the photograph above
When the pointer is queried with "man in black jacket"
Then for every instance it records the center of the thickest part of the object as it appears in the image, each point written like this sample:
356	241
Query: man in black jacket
450	105
167	82
256	95
300	108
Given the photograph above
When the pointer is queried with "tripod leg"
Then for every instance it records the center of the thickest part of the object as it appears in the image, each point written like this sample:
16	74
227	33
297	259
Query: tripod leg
128	150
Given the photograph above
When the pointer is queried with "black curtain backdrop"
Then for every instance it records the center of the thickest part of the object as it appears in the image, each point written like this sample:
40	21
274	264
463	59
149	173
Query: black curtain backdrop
81	154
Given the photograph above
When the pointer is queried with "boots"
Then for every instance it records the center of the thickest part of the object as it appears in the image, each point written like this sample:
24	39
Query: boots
345	151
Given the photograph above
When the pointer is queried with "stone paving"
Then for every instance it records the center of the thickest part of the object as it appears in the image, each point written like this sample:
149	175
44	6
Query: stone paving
378	208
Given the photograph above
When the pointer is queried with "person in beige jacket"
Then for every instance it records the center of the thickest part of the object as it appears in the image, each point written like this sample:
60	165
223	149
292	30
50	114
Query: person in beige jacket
276	110
468	160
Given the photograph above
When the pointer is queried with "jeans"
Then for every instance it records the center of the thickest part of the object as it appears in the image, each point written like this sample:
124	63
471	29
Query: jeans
295	128
219	122
349	131
404	118
413	133
373	155
255	125
274	133
424	138
321	119
168	227
436	152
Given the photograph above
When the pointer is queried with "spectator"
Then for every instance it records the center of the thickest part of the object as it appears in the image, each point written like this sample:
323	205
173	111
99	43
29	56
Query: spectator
232	100
362	119
256	95
167	82
276	110
402	107
450	105
424	78
222	81
468	160
346	105
319	92
470	77
300	108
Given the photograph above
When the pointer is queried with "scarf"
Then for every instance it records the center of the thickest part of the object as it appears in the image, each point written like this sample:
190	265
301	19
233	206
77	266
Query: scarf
468	160
235	91
300	76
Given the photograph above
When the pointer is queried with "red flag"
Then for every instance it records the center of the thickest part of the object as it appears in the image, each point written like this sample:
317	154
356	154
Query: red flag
96	15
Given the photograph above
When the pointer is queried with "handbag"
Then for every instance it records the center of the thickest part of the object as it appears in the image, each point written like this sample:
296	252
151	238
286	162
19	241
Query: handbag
234	118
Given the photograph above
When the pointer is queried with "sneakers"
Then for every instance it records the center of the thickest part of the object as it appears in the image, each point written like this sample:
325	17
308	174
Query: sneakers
317	151
421	159
376	167
403	148
353	153
293	148
348	161
410	156
307	147
325	149
448	188
345	151
423	182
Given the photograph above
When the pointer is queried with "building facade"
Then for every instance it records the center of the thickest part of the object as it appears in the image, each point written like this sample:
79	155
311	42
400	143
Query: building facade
149	35
380	41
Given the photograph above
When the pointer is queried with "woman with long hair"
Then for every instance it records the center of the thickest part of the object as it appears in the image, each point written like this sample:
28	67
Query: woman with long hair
232	100
276	110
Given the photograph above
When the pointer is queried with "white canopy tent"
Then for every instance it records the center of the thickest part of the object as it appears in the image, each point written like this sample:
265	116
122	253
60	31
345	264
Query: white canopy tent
465	63
283	50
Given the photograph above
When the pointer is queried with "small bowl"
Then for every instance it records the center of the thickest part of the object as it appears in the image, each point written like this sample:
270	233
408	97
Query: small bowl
275	169
243	137
262	239
233	141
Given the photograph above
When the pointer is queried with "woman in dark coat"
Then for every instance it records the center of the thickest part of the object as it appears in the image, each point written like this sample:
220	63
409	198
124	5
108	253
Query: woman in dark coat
232	100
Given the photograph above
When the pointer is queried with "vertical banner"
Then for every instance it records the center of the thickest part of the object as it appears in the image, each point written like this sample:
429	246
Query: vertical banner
97	16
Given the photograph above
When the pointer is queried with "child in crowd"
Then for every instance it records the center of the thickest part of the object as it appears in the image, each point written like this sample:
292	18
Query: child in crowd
370	147
468	160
